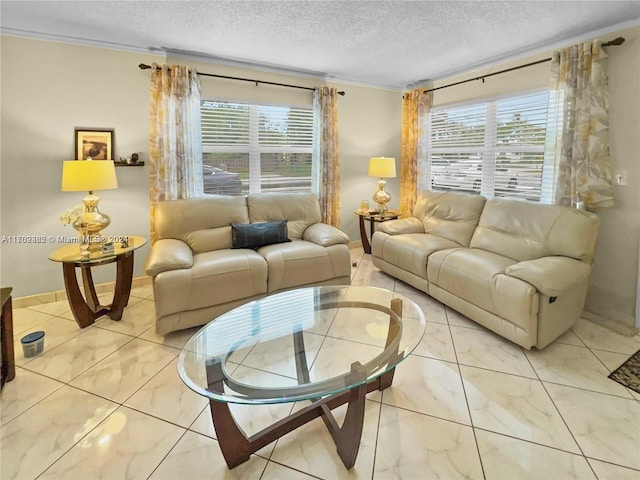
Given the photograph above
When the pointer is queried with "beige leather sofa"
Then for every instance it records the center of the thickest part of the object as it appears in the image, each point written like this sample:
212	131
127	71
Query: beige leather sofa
519	268
197	275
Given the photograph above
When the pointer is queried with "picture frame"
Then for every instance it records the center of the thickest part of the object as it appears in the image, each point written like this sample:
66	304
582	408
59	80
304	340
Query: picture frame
97	143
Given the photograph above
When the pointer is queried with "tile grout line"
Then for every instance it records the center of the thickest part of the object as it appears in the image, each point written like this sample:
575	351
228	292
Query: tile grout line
538	379
564	421
466	397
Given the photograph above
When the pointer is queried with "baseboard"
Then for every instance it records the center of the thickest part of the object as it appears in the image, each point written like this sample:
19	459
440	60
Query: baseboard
49	297
355	244
618	327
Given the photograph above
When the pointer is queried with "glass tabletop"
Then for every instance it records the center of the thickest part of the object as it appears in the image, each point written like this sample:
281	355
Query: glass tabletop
374	215
301	344
73	254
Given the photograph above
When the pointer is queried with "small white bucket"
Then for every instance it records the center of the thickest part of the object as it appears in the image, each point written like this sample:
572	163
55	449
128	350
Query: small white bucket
33	344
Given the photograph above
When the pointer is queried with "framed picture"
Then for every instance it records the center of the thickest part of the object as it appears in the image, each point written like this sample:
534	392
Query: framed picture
94	143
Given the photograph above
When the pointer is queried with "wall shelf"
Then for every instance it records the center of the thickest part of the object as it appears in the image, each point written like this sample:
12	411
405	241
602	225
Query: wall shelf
124	164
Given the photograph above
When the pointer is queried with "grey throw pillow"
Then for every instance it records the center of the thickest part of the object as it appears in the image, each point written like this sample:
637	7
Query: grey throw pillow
255	235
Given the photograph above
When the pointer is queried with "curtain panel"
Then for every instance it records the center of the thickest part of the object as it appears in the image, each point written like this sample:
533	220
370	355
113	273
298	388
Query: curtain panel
326	164
175	138
577	145
415	110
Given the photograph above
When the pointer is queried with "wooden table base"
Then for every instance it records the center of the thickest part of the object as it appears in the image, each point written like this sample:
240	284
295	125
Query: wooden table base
237	447
86	309
366	246
8	369
366	243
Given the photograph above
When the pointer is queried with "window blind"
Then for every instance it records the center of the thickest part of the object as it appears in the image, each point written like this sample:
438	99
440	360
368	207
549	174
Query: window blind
495	148
224	124
268	147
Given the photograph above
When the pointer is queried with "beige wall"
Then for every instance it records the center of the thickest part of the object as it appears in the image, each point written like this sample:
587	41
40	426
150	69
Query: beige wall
48	88
613	291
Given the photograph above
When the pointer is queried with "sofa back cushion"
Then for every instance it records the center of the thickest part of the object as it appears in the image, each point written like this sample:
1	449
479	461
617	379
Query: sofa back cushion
203	223
301	210
450	215
525	230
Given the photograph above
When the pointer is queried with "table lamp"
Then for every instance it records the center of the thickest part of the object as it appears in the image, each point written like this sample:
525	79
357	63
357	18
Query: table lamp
90	175
382	167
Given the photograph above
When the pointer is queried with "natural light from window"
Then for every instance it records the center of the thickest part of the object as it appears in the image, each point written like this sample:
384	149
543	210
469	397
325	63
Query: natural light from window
494	148
256	148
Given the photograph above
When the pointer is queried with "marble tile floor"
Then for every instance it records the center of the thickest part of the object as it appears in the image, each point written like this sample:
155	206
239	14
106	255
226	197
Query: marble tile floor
106	402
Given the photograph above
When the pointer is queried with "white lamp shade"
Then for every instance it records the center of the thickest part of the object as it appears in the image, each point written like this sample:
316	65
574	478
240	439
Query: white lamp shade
88	175
382	167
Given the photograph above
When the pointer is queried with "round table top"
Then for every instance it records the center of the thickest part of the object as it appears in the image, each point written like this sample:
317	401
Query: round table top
71	253
261	349
390	215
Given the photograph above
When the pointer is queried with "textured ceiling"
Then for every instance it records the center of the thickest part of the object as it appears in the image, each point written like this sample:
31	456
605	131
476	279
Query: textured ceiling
385	43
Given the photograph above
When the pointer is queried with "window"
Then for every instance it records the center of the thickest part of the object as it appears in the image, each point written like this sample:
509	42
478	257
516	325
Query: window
495	148
255	148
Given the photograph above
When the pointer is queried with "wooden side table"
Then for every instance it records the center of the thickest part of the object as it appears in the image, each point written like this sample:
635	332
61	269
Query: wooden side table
6	337
86	309
373	217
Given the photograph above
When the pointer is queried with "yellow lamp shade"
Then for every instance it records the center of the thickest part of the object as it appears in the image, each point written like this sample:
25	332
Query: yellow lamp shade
88	175
382	167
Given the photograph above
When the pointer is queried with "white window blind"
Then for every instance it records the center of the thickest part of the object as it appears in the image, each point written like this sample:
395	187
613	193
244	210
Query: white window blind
495	148
256	148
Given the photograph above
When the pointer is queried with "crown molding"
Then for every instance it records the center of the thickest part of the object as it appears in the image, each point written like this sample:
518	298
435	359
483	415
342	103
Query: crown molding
233	62
165	52
87	42
535	50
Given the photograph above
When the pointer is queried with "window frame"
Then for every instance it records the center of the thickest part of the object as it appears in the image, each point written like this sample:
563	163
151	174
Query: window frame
488	151
253	148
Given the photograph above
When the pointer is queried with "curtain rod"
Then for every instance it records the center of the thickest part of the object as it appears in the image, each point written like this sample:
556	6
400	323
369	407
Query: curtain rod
614	42
144	66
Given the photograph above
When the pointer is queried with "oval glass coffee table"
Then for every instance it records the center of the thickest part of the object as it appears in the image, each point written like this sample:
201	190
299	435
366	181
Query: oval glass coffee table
331	345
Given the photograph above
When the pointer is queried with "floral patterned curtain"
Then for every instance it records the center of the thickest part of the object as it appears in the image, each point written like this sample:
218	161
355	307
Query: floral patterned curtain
579	118
175	143
415	108
326	153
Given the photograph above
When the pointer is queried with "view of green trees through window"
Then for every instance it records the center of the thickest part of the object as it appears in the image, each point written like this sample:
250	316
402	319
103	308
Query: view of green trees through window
495	148
256	148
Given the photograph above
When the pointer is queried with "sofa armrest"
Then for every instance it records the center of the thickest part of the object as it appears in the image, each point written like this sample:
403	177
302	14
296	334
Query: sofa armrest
325	235
168	254
550	275
402	225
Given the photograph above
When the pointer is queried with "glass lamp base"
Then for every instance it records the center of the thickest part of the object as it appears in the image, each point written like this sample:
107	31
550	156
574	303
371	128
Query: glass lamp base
91	223
381	197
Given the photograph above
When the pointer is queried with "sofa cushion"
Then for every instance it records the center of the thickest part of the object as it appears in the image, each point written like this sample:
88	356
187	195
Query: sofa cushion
325	235
409	251
168	254
300	209
203	223
478	277
551	275
450	215
254	235
400	226
525	230
209	239
301	263
216	277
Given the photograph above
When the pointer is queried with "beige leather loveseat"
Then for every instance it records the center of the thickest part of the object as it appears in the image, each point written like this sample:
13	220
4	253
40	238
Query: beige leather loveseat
197	275
519	268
